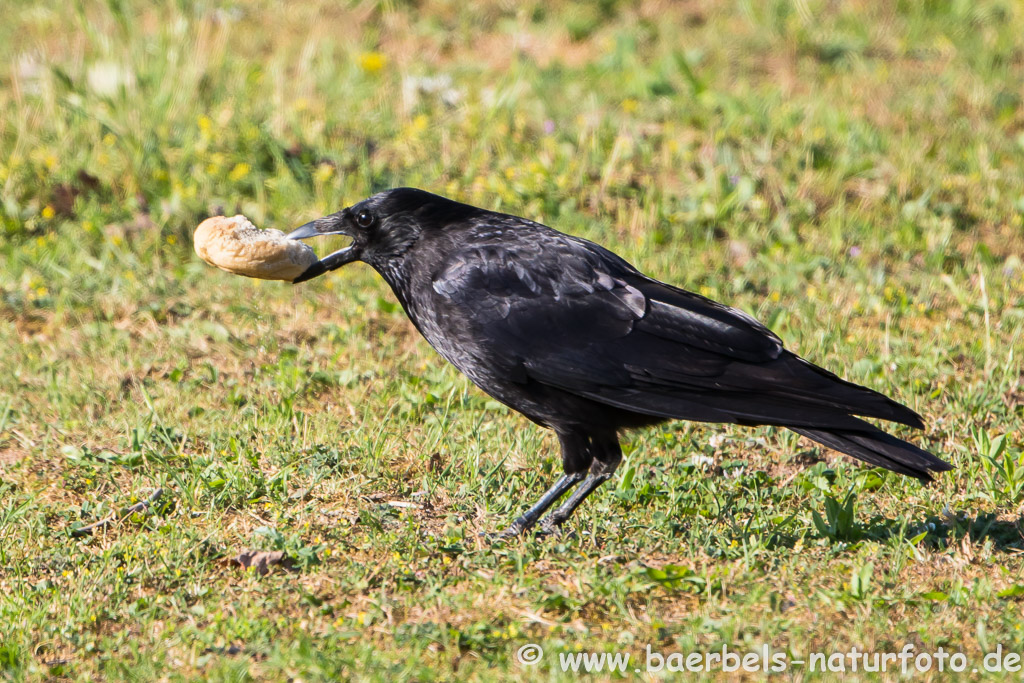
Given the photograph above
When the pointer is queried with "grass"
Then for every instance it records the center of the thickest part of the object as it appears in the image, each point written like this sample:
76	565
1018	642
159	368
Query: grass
848	172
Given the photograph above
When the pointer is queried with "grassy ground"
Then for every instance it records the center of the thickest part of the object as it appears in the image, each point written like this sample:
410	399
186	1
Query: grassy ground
848	172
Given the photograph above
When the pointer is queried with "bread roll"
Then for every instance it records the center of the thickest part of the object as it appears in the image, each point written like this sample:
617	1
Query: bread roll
238	246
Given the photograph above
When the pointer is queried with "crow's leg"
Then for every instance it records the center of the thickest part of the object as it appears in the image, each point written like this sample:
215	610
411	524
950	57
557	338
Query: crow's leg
553	521
607	456
530	517
576	458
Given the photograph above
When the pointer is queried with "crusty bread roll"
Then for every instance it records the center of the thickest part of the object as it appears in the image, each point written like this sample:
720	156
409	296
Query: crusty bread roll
238	246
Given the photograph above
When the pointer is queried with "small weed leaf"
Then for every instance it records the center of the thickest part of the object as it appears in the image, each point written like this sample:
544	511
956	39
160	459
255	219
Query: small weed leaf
860	581
1014	591
840	522
1003	470
677	578
935	596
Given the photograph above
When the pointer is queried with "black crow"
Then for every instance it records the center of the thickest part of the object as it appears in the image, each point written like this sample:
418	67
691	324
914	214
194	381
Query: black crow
578	340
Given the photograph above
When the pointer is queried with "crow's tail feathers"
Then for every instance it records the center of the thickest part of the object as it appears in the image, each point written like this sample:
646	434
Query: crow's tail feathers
876	447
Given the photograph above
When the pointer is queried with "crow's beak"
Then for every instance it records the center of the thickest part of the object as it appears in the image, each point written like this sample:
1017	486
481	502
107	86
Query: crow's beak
329	225
304	231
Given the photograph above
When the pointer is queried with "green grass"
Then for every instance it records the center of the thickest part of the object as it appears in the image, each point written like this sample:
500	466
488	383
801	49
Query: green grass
848	172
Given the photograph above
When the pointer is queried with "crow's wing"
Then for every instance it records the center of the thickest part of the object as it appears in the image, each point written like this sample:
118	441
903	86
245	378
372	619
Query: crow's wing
570	314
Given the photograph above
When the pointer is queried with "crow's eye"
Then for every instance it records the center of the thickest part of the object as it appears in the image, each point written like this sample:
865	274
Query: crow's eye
364	219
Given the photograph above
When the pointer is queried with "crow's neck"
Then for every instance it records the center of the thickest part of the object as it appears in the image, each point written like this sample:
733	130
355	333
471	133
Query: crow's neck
398	276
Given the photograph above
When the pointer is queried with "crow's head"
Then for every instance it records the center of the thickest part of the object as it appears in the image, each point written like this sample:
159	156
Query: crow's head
382	227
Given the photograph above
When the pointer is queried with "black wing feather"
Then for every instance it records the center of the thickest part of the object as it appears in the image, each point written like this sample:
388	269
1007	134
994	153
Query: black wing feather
577	317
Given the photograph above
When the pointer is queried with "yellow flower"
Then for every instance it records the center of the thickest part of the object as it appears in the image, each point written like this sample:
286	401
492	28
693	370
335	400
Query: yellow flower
630	105
240	170
372	62
48	211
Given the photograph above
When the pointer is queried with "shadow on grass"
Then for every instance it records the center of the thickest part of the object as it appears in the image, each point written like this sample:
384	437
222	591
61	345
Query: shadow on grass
1006	534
